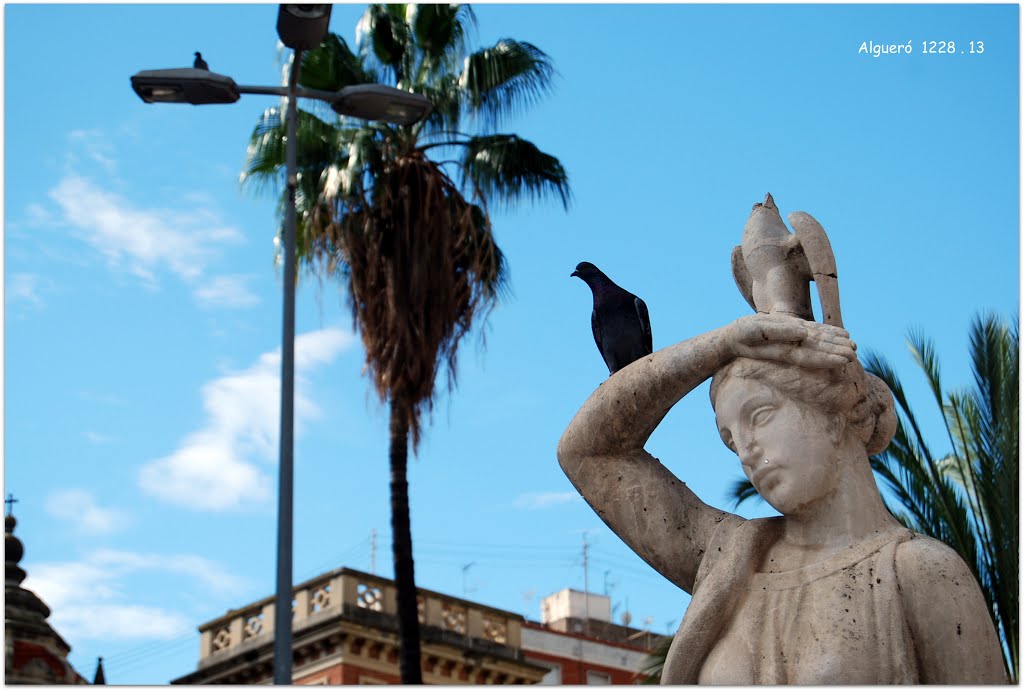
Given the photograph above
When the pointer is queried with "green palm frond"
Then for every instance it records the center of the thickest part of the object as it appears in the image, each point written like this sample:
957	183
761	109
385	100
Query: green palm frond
364	150
265	155
440	31
332	65
654	663
932	499
969	498
447	98
508	169
384	35
742	490
505	79
923	352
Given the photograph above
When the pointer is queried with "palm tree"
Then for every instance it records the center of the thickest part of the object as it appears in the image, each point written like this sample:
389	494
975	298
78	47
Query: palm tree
654	663
967	498
409	236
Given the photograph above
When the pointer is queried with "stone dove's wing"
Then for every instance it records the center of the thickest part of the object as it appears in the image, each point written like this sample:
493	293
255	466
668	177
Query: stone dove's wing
822	262
742	277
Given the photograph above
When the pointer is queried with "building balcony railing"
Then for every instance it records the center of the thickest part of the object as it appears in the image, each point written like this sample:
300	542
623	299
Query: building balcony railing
359	597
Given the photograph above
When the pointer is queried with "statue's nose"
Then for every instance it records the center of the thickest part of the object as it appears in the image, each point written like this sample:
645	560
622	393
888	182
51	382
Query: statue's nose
750	453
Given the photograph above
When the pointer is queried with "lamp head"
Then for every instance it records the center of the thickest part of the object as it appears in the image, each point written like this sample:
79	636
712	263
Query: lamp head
184	85
380	102
303	27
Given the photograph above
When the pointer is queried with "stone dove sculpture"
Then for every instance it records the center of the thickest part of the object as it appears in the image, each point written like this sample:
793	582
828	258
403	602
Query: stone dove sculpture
622	327
773	268
200	64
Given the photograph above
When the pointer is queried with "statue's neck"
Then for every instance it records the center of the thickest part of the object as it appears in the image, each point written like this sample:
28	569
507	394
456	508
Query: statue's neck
851	513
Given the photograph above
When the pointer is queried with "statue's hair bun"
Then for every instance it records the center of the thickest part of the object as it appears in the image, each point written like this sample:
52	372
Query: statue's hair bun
883	410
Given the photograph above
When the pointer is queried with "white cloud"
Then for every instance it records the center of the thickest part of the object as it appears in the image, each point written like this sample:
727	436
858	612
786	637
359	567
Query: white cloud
25	288
225	291
544	500
88	602
37	215
79	507
145	239
213	468
184	237
95	146
97	438
106	622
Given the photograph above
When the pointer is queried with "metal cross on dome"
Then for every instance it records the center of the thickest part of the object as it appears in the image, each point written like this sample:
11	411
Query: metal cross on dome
10	502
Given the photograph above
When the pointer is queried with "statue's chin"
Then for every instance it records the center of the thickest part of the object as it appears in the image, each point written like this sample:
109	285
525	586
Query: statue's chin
789	503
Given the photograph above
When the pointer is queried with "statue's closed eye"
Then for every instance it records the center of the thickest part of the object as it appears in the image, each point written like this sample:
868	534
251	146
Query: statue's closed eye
762	415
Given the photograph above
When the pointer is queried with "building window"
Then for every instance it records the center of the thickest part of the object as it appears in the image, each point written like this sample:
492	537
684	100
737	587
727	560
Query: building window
598	678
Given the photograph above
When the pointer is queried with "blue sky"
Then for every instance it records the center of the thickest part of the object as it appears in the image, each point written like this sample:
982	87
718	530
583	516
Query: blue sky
142	312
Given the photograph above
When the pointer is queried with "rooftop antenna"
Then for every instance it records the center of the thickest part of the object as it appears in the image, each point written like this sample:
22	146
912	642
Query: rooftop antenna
586	588
465	568
626	617
373	551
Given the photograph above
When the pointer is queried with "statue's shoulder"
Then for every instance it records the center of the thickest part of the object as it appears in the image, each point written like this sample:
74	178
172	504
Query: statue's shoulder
736	531
731	528
924	562
947	615
736	539
918	547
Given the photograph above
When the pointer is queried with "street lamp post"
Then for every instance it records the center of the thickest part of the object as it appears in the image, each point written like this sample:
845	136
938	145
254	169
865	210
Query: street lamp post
300	27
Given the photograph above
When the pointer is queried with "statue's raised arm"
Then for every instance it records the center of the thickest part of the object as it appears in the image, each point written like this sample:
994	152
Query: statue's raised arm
834	590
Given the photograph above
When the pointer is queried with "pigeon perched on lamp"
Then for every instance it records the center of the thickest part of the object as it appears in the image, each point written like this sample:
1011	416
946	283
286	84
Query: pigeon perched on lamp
199	63
621	325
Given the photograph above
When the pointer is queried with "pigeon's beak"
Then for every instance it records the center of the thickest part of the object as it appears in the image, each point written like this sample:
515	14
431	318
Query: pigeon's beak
574	273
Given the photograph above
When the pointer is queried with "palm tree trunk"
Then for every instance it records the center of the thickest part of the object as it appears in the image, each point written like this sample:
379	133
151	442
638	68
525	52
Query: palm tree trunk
401	541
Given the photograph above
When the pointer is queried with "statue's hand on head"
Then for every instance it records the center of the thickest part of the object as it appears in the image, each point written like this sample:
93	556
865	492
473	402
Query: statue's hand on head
791	340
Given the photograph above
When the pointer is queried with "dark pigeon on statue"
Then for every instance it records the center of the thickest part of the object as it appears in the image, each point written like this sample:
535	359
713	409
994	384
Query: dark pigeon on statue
622	328
200	64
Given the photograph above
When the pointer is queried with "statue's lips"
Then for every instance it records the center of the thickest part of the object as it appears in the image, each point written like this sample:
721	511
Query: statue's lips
764	472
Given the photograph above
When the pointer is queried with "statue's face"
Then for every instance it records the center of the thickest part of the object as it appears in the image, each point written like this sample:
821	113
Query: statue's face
798	442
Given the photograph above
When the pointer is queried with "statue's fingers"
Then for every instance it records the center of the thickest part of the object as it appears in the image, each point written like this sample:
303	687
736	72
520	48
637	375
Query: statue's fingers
806	357
765	331
801	355
843	350
830	342
830	331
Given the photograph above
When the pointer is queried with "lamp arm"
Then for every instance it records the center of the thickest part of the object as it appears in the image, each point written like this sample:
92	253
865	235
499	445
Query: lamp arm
317	94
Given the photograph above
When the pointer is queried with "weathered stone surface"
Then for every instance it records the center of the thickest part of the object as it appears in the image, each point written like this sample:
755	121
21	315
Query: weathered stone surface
833	591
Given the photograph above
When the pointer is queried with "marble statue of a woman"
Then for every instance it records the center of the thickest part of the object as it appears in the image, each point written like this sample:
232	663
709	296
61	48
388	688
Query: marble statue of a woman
833	591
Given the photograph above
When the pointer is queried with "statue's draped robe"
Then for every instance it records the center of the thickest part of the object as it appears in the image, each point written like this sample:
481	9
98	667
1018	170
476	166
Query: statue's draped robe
835	621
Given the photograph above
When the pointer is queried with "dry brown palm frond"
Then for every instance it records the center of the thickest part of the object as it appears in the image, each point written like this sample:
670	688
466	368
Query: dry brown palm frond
421	264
